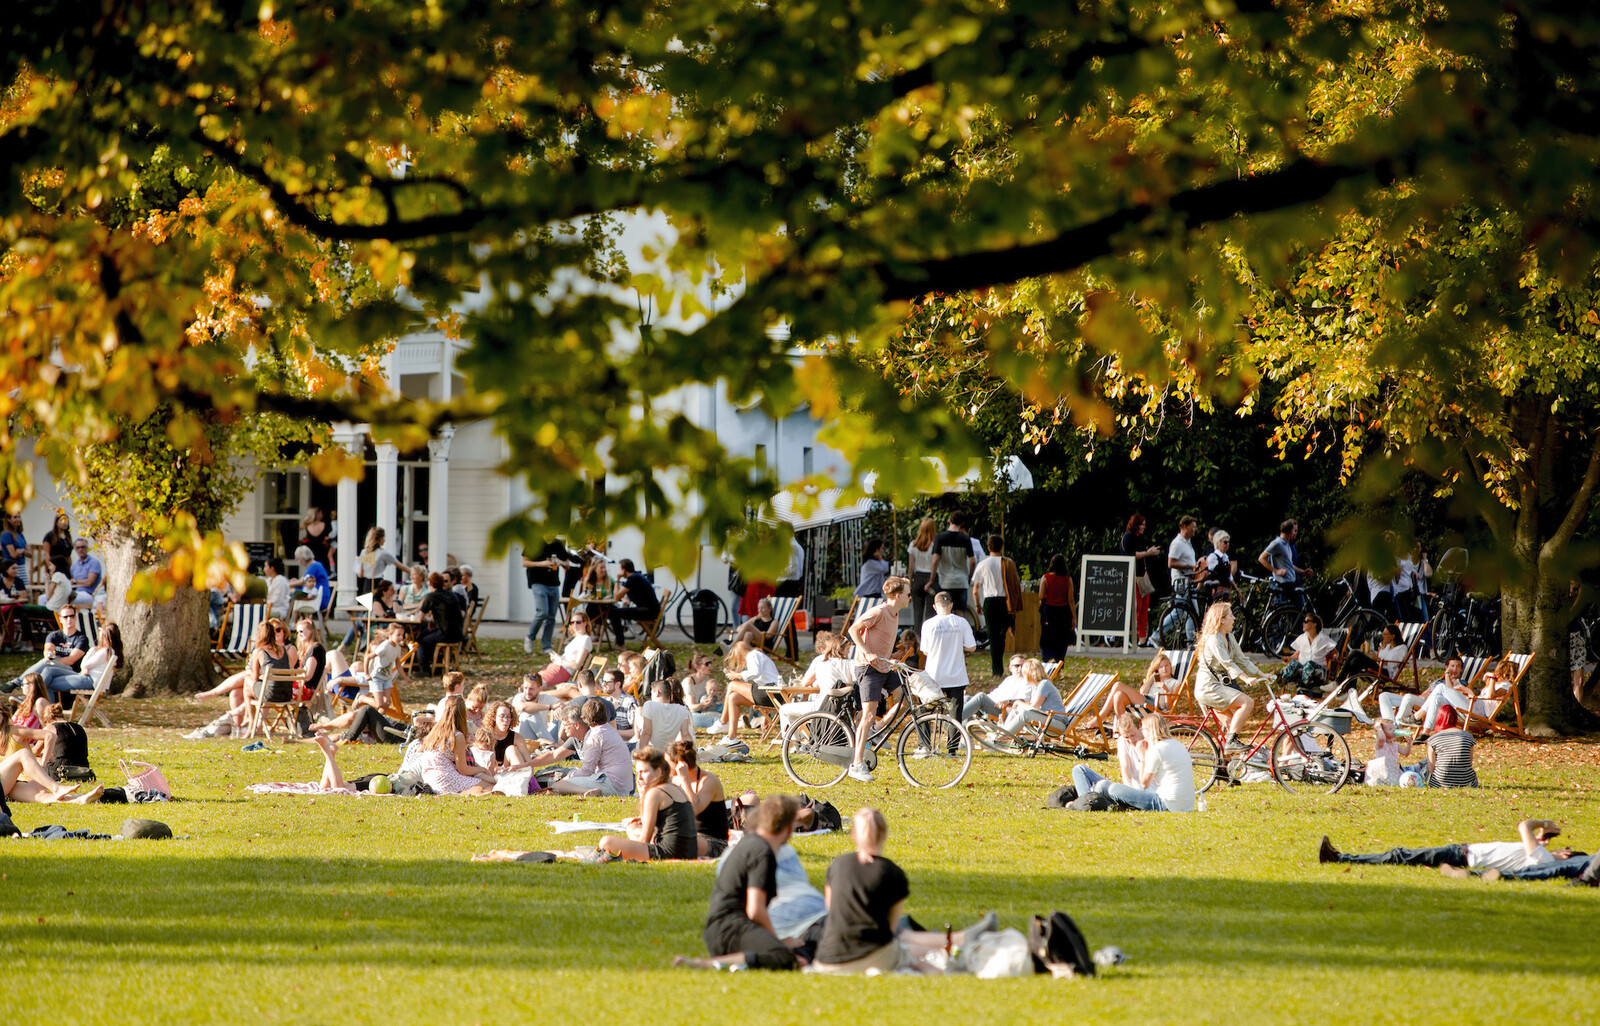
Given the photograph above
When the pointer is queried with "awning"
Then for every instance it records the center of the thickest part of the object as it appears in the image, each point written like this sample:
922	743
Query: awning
803	512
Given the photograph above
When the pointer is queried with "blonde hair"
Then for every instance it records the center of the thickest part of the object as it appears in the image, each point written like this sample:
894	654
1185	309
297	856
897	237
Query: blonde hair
734	660
1152	672
1154	721
869	829
1212	624
1033	671
895	586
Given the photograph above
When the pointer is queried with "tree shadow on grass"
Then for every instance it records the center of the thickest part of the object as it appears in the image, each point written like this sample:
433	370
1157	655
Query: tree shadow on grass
281	911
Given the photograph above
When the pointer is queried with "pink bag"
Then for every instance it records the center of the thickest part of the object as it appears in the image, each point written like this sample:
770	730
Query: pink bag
149	780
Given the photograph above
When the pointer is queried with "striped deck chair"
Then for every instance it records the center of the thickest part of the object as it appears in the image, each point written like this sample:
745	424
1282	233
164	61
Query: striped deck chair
783	610
89	625
238	627
1180	700
1472	666
1071	727
1411	636
1484	722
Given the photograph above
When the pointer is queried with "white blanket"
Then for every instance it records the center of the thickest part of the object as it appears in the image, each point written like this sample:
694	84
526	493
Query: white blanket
578	826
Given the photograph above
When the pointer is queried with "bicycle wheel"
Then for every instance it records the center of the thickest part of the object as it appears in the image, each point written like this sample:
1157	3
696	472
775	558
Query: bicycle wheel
1176	626
685	616
1366	628
934	751
1310	756
986	733
1282	627
1204	753
817	750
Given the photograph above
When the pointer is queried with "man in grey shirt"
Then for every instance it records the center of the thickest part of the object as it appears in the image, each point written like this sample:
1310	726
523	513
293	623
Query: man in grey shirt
1281	557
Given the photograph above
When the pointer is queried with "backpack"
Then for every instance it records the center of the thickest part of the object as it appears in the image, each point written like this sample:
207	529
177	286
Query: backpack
827	817
1061	797
1094	801
1057	941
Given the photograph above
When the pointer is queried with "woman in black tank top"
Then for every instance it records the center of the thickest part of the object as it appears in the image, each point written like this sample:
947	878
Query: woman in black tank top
705	792
665	826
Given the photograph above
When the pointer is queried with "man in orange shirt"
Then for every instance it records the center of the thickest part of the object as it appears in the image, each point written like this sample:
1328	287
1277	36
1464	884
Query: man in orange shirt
874	633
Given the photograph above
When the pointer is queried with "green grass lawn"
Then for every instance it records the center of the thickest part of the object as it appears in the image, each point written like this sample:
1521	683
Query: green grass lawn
368	910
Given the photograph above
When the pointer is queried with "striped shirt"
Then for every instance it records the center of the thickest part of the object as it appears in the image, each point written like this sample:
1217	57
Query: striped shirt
1452	759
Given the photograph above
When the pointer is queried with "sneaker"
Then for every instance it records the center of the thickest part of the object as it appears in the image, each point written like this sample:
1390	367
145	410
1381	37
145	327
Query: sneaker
922	752
1590	877
527	646
200	734
1234	744
1327	852
859	771
10	686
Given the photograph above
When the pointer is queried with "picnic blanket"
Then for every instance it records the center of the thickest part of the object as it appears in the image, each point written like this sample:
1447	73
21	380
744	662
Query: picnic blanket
577	826
273	787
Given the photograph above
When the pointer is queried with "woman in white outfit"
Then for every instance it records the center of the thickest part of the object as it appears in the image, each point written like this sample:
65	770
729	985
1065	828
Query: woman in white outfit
1220	664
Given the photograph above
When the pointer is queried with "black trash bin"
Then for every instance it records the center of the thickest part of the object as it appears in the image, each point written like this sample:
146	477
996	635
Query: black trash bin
707	611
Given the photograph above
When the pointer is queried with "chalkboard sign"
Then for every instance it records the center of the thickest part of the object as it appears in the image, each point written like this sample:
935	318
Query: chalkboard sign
1105	598
258	554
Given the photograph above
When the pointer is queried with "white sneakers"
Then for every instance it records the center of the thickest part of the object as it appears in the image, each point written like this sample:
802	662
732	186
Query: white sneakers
527	646
860	772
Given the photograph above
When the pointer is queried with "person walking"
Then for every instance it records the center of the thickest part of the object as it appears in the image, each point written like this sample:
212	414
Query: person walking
544	580
997	588
945	641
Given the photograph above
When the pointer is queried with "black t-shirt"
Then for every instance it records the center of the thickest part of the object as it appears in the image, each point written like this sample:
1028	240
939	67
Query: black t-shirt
446	613
750	864
954	549
504	743
320	654
863	895
642	593
66	643
549	576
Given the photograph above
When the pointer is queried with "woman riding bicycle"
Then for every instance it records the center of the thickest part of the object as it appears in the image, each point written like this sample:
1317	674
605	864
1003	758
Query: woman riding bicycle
1220	665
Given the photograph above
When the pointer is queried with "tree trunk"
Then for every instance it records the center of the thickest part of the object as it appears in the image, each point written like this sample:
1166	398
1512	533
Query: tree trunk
1534	616
167	646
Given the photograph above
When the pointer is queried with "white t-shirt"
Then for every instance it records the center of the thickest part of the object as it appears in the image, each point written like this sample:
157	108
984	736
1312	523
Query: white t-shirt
59	593
1403	578
1506	856
1012	689
989	578
921	562
1392	658
1182	550
834	673
1173	770
94	659
1314	650
278	597
668	722
577	651
945	640
760	669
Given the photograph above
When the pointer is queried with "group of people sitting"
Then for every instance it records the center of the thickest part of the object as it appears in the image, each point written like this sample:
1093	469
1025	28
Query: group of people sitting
40	747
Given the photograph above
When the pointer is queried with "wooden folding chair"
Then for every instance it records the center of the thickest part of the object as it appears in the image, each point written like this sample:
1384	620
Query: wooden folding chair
1180	700
469	647
102	681
284	713
652	628
1472	667
1485	723
1411	635
783	610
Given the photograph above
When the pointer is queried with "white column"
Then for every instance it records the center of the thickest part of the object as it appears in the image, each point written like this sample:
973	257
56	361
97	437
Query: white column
389	497
351	438
439	497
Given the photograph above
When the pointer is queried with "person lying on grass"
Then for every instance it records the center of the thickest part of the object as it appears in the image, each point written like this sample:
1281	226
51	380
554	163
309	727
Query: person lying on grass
1529	851
738	929
706	794
23	779
665	827
866	895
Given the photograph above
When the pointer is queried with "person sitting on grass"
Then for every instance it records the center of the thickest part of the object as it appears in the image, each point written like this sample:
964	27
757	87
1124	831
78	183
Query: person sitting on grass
363	718
1220	665
738	929
1384	769
1530	850
750	673
605	767
1450	753
703	694
496	736
1166	777
618	691
706	794
866	897
24	779
664	829
664	719
443	756
477	700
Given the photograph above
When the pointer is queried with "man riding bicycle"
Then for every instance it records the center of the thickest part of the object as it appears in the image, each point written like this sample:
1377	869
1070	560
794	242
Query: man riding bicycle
874	633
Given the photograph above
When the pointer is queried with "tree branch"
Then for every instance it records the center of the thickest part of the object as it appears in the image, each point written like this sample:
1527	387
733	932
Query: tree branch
1303	181
1578	509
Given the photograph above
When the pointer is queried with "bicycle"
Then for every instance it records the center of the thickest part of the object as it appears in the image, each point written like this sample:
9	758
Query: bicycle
932	749
1178	618
1298	753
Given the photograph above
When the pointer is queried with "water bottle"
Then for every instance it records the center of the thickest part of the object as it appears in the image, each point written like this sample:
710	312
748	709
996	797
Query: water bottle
1109	956
1199	803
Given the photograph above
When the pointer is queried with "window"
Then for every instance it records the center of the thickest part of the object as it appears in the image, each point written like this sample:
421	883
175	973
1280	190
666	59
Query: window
283	496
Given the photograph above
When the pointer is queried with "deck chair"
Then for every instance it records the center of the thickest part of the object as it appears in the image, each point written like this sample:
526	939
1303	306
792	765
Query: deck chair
1485	723
102	681
89	625
860	607
469	647
238	627
1180	700
652	628
783	610
1411	636
1082	704
283	713
1472	667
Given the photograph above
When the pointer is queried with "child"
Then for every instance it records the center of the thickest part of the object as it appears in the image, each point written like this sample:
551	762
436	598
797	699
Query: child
1383	769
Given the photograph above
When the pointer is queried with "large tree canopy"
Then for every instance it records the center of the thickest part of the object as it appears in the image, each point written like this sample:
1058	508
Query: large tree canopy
821	164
